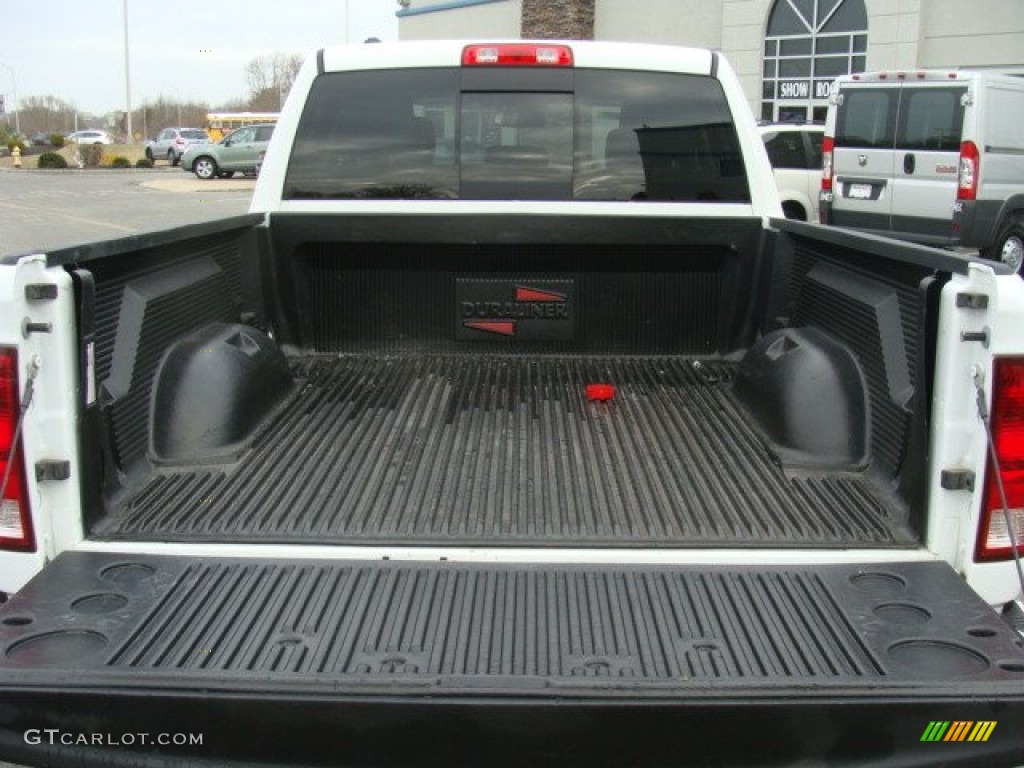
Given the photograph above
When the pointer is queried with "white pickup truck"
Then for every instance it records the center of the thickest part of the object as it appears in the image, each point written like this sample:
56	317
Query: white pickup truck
514	426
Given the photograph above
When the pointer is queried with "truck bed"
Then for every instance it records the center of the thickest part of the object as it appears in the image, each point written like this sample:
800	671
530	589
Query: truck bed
733	354
507	451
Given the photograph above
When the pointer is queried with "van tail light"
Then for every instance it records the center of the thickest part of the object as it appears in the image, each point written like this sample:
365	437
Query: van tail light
828	146
15	518
967	183
827	154
1007	420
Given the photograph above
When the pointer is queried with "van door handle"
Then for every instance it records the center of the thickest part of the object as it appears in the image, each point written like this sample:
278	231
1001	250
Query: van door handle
909	163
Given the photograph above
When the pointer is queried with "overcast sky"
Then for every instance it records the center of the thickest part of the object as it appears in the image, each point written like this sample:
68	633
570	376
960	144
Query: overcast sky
183	49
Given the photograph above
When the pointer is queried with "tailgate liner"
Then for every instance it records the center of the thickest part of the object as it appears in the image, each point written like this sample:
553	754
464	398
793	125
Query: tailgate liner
446	626
388	663
506	451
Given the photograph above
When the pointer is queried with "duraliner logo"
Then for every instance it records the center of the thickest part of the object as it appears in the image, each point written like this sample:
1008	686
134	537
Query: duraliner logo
502	317
513	310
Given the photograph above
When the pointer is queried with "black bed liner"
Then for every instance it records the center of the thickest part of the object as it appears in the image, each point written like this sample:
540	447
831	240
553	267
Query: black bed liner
575	629
393	663
507	451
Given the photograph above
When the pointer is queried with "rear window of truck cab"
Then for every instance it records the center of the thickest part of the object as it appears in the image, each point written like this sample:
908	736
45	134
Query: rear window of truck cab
515	134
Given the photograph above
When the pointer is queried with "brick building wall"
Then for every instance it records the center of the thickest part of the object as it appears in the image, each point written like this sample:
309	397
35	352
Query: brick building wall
566	19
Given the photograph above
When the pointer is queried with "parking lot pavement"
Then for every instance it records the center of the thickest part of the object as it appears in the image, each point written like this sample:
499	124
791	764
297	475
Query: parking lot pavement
187	183
46	210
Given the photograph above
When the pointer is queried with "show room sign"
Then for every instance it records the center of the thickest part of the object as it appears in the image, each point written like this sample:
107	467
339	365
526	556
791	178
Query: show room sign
801	89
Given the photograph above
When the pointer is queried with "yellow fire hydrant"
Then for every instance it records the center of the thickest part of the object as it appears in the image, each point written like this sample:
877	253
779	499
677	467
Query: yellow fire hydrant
16	154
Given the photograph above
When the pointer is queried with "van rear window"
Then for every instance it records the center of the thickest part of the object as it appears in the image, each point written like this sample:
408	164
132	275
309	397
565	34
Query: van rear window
931	119
599	135
867	119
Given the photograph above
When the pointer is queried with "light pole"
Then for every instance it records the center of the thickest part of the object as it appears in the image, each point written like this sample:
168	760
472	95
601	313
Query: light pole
127	78
177	102
17	114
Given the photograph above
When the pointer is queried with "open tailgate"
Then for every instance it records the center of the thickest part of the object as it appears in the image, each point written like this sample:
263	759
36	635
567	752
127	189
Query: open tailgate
123	660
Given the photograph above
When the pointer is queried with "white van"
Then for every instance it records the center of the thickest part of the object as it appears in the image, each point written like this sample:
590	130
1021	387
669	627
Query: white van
934	157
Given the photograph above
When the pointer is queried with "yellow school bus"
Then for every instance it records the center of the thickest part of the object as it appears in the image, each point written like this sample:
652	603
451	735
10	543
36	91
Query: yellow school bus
220	124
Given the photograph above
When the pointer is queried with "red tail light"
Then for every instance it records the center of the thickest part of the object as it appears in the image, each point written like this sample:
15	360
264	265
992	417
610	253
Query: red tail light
828	144
1008	434
15	520
967	183
517	55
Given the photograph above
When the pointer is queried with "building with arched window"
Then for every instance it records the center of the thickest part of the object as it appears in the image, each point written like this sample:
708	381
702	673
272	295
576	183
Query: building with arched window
807	45
786	52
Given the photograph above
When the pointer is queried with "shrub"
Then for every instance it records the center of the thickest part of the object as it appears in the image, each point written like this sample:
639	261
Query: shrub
143	162
52	160
120	162
57	140
92	154
12	143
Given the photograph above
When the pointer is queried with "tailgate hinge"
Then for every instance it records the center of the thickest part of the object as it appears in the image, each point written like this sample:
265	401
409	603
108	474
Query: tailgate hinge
958	479
52	469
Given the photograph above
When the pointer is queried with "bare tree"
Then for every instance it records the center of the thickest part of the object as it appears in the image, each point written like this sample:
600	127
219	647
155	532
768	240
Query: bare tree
165	112
270	78
48	114
234	105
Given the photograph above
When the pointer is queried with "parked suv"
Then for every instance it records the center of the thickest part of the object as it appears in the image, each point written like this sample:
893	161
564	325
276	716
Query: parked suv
171	143
241	151
795	152
90	137
934	157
